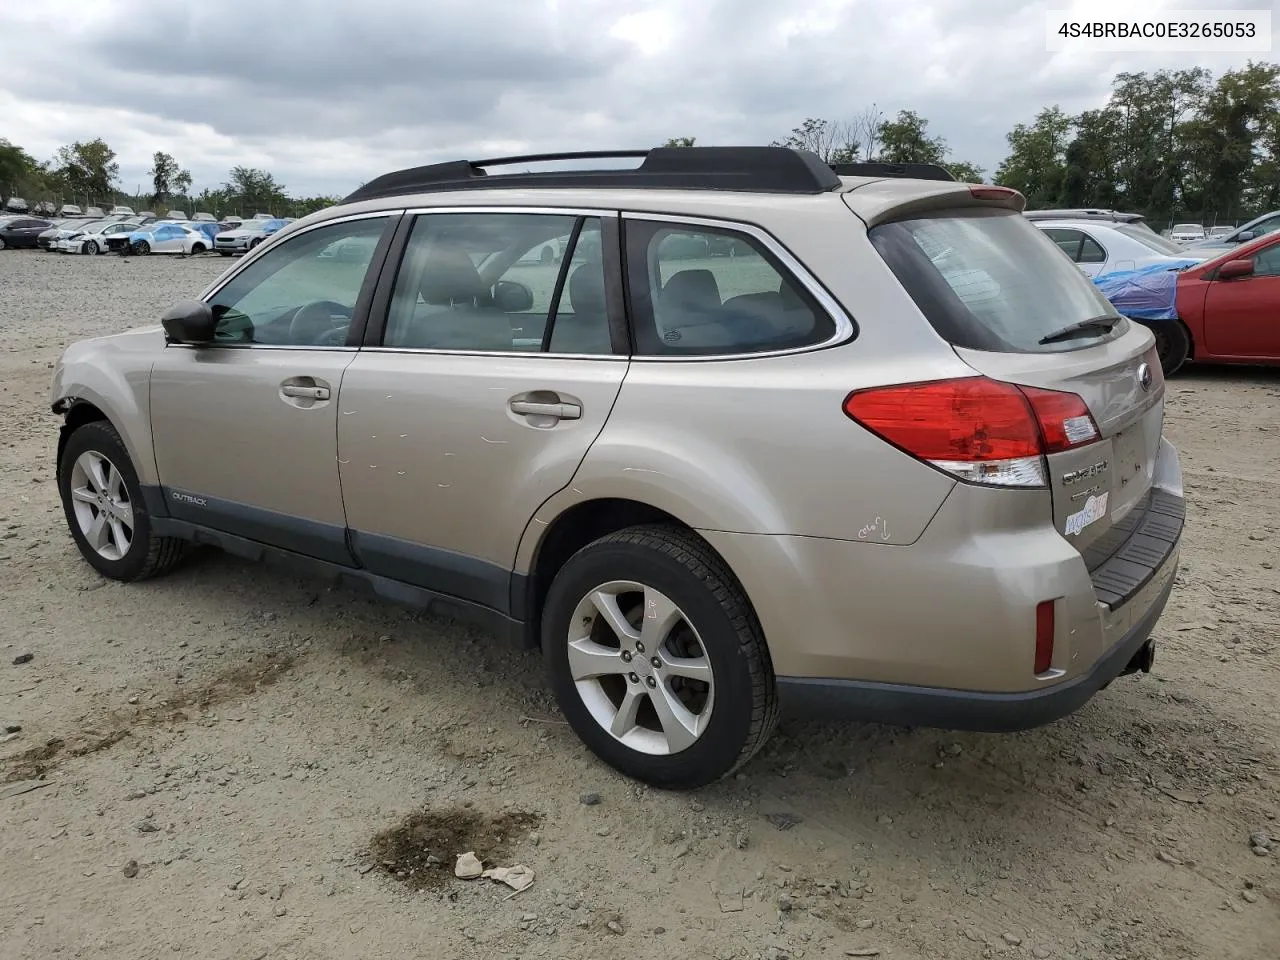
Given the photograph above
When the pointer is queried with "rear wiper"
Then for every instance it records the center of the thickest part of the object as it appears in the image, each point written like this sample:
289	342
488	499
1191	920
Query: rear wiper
1102	324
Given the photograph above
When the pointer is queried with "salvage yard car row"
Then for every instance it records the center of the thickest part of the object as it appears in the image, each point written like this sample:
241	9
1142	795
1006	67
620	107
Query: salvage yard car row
139	234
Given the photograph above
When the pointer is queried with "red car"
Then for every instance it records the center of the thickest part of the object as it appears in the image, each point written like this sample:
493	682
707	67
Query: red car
1229	309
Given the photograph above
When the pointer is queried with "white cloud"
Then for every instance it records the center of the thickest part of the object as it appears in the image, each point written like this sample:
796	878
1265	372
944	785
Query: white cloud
326	95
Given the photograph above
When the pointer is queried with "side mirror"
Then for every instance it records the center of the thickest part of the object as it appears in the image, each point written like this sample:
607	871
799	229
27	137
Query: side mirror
1245	236
189	321
1235	268
510	296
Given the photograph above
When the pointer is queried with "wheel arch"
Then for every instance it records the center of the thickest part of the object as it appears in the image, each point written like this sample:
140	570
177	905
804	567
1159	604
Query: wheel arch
89	386
549	543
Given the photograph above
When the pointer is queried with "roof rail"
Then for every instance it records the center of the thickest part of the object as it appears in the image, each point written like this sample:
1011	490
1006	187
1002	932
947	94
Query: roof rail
913	171
747	169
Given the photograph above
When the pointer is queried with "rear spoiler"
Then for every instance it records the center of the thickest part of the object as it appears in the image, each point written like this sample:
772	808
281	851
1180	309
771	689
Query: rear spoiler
882	200
912	171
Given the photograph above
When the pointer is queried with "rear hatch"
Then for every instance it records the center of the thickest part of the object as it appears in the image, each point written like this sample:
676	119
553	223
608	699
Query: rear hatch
1017	310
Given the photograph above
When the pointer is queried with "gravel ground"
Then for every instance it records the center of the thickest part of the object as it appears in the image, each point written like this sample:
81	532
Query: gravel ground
233	763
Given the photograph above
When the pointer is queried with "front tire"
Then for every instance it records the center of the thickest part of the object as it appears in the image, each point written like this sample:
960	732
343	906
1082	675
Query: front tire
141	248
657	659
105	510
1173	344
91	248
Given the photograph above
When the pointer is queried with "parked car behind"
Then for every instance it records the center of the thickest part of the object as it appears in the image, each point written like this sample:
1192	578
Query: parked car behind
70	210
1213	247
122	210
166	236
93	238
208	228
1216	232
72	229
900	461
1186	232
21	232
15	205
1098	247
246	236
204	218
1228	309
57	228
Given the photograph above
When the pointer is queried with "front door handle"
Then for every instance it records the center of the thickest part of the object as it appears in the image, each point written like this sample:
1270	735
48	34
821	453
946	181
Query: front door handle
532	408
305	393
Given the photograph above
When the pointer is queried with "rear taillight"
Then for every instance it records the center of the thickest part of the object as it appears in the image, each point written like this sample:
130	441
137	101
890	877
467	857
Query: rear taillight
980	430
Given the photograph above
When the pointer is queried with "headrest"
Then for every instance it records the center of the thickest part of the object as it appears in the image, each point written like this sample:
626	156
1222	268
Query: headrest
692	289
450	277
586	288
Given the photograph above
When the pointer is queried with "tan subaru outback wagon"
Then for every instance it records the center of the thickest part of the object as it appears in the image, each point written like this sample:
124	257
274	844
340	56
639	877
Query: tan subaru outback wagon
728	432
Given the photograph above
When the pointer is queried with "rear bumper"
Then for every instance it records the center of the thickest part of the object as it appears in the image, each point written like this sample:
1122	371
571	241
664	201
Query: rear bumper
910	706
941	632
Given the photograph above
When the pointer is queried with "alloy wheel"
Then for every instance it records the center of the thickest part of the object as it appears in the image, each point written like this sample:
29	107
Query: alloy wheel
640	668
102	506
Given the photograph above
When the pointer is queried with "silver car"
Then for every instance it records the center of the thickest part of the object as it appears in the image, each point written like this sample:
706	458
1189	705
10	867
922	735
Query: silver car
763	439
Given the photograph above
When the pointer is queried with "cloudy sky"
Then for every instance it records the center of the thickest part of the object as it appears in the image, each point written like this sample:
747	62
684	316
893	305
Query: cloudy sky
328	94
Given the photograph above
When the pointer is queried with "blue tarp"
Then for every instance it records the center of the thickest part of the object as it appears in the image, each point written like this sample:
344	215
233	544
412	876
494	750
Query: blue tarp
1148	293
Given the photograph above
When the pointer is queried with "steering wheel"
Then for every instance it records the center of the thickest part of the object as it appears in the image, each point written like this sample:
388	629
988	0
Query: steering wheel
314	323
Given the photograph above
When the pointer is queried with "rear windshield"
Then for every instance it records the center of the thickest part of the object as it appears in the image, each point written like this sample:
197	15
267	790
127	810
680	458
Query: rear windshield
1152	240
989	280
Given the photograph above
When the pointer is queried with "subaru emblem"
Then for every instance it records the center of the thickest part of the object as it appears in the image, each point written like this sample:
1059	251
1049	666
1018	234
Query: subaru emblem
1144	377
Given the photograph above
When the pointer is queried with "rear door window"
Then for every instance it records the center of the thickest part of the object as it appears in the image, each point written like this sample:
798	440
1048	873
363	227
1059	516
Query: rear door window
987	279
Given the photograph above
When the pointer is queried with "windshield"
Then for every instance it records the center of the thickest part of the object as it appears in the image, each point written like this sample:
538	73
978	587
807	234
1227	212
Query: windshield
257	226
1188	228
95	226
1151	240
988	280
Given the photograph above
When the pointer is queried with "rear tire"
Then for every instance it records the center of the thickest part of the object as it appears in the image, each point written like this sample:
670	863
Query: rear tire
678	597
197	248
1173	344
102	501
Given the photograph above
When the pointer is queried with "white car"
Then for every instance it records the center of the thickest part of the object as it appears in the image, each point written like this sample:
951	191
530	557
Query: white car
176	215
1099	247
118	211
1186	233
167	236
71	228
92	238
69	210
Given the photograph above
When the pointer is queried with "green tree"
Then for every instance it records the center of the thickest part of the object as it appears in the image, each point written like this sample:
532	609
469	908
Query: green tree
308	205
168	179
832	142
251	191
905	139
680	142
1230	140
965	172
87	170
1036	164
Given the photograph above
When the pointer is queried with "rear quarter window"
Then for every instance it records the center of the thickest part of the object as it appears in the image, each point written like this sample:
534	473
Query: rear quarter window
989	280
715	291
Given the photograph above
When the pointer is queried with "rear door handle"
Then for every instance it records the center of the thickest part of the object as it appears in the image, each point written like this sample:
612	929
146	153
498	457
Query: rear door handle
305	393
532	408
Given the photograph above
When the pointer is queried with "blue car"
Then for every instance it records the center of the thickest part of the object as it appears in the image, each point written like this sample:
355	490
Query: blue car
167	237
